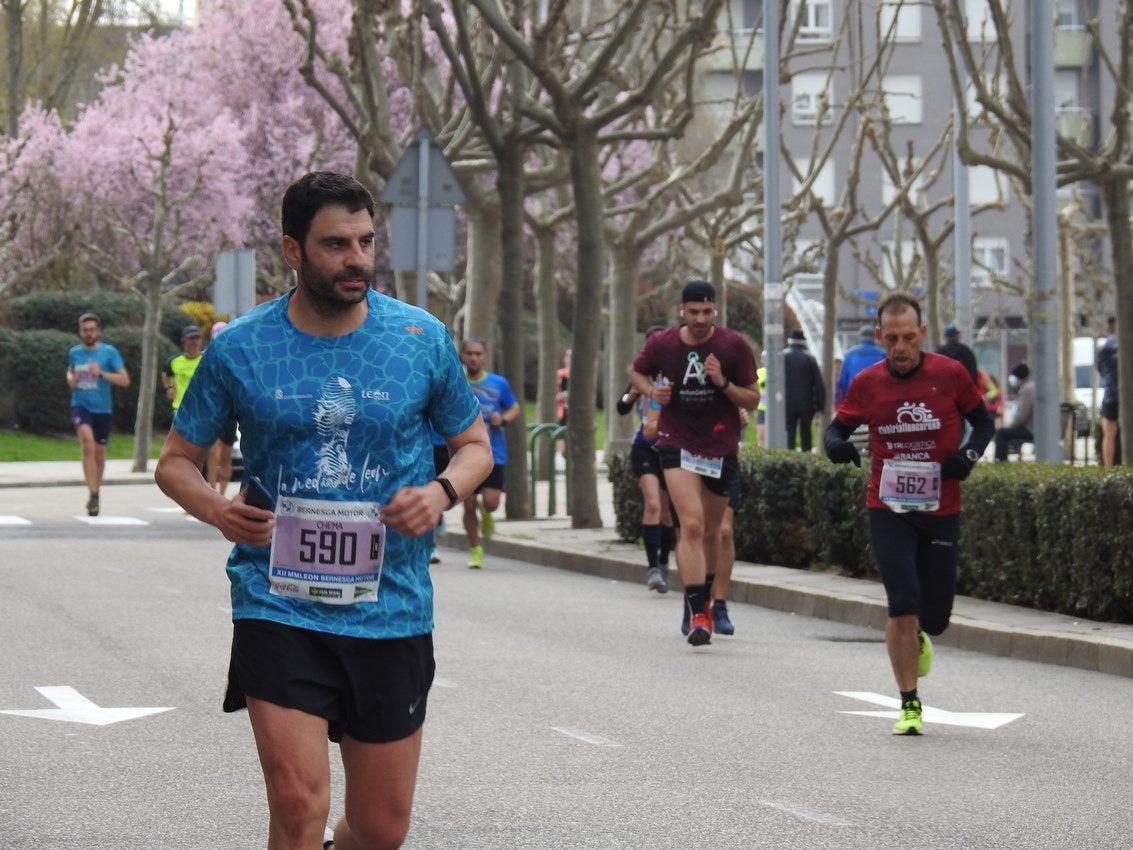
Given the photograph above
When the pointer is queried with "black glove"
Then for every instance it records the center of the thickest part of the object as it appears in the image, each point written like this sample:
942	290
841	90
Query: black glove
845	452
956	466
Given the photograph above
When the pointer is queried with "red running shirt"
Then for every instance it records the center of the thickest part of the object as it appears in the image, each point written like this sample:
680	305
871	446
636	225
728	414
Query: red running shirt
700	418
918	417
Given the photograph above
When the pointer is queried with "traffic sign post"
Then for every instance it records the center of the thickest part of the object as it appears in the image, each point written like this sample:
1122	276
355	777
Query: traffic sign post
422	191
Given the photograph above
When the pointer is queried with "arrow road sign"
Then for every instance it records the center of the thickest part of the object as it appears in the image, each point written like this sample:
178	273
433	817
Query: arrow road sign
978	720
73	707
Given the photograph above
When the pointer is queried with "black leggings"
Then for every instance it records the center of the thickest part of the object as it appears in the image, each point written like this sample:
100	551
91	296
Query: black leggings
917	555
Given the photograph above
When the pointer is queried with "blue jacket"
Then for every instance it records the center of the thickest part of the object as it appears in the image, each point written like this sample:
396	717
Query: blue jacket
865	353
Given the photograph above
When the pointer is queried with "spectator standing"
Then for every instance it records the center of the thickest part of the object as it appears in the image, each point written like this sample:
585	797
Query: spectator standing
92	368
708	373
335	387
1023	416
805	391
865	353
761	408
562	391
1106	362
498	407
958	351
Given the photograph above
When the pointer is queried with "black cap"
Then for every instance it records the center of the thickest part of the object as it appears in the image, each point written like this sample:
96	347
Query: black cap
797	335
951	330
866	331
190	330
698	290
1021	371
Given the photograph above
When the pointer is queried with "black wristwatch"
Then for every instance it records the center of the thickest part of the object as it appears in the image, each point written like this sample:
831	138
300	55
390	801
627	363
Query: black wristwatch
450	491
972	455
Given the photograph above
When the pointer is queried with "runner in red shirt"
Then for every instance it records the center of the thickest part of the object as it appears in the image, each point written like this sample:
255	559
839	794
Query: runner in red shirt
708	373
915	404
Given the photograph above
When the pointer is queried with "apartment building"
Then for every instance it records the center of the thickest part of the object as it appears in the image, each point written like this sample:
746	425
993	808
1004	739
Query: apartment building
875	75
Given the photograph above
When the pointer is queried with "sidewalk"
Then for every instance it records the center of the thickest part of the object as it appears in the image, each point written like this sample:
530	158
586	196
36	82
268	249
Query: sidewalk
977	625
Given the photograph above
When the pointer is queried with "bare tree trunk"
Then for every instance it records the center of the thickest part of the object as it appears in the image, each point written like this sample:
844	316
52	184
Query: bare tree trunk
587	183
483	273
547	321
621	343
1116	195
14	23
509	181
143	419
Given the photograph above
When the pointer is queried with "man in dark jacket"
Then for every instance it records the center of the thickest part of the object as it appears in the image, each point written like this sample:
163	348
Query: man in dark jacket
805	391
958	351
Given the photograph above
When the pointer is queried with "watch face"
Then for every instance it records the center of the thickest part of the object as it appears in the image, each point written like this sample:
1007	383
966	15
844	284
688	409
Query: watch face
971	455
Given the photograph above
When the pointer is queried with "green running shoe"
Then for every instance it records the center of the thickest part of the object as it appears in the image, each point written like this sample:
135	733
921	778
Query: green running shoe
476	557
909	722
487	524
924	661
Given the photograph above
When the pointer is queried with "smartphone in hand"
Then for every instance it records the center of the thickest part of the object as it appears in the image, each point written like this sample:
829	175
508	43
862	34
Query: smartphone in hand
256	495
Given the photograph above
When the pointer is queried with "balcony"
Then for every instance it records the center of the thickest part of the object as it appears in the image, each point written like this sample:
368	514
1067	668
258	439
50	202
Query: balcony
732	48
1071	47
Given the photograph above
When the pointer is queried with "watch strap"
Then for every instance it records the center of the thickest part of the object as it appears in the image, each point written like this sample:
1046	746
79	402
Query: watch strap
450	491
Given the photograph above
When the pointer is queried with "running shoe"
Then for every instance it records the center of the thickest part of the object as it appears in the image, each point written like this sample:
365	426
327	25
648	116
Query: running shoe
487	524
700	631
924	661
909	722
434	558
720	622
476	557
684	620
653	579
92	505
664	588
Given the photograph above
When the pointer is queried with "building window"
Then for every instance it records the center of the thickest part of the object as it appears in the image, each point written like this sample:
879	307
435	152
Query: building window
904	98
816	18
1068	15
900	21
985	185
823	186
916	189
989	261
809	92
981	27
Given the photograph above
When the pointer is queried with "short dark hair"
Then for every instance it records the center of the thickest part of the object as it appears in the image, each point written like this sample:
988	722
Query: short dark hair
474	340
897	300
90	317
315	190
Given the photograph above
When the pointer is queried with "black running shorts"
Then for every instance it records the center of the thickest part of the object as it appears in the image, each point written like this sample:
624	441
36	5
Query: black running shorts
917	556
375	691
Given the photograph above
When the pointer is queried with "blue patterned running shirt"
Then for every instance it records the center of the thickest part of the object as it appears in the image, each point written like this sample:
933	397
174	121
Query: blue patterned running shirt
343	419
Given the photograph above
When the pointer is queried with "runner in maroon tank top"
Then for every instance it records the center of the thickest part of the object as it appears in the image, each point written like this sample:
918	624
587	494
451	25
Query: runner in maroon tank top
708	373
915	404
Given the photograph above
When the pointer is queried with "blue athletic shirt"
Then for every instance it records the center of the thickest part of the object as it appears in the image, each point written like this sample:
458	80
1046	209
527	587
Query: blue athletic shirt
345	419
93	394
495	396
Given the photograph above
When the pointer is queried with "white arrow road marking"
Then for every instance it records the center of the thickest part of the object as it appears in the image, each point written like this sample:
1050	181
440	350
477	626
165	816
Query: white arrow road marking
586	737
976	719
14	520
73	707
111	520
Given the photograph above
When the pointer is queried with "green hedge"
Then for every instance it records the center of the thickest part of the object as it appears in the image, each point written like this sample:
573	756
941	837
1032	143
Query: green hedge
1044	536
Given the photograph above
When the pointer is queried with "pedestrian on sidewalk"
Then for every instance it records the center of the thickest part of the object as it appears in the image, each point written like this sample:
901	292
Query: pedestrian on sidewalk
708	372
335	386
92	368
804	396
915	404
499	407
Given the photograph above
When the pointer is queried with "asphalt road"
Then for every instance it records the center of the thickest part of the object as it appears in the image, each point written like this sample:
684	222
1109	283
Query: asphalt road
568	712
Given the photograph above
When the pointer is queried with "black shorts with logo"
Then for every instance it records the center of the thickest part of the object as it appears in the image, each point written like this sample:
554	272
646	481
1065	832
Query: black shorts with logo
375	691
722	486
